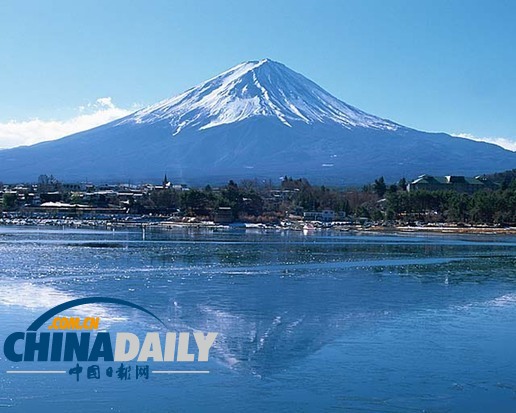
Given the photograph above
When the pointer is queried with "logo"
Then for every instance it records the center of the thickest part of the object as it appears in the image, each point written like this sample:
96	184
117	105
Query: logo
70	339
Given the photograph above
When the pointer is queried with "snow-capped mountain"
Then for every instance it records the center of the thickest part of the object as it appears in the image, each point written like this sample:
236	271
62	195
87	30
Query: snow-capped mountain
258	119
258	88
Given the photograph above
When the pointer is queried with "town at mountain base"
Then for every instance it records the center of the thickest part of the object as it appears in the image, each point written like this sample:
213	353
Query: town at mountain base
258	120
441	203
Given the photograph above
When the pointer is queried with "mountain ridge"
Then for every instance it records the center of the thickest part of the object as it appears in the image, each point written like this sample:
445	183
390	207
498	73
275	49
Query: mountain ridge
259	119
257	88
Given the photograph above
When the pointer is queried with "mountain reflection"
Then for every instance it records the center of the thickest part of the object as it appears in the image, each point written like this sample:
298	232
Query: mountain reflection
275	300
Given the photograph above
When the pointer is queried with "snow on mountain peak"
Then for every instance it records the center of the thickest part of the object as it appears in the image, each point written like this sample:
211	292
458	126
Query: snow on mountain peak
256	88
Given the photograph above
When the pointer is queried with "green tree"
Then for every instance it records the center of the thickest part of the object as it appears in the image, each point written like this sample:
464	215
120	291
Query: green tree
402	184
9	201
380	187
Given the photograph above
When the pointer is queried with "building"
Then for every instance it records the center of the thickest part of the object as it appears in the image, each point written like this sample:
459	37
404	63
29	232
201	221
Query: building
63	209
223	215
451	183
326	215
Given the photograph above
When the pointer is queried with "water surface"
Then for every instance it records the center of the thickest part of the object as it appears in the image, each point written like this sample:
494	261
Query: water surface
307	322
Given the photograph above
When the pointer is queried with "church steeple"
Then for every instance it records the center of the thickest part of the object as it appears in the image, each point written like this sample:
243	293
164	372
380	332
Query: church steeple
166	182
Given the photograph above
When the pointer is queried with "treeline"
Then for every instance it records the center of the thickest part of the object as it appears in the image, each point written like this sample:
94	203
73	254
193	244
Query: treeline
505	178
377	201
255	201
482	207
249	200
243	200
489	207
304	196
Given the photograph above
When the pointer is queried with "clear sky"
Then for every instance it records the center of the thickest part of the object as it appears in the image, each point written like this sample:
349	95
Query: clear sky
436	65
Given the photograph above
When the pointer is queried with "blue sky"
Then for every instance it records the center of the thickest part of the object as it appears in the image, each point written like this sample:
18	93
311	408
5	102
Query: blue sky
437	65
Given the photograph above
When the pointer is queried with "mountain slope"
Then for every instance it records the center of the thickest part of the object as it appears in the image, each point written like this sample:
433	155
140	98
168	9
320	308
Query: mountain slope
260	88
259	119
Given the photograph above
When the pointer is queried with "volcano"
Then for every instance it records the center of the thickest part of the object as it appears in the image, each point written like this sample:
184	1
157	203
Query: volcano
260	120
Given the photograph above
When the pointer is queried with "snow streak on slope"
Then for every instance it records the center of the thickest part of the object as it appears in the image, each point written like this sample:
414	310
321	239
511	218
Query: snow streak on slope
257	88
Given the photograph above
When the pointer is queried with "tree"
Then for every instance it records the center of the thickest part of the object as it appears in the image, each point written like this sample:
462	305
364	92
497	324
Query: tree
252	203
380	187
9	200
165	199
75	198
393	188
402	184
195	202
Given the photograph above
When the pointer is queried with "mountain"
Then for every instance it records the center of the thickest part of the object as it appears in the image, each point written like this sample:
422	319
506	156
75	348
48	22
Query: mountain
259	119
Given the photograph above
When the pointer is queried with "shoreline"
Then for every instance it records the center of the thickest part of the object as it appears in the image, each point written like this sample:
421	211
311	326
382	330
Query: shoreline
296	226
449	230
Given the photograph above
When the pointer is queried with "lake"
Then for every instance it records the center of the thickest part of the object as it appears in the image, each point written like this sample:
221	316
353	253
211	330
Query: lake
314	321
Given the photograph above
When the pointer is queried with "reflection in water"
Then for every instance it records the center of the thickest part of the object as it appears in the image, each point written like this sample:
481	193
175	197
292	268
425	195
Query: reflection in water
40	297
284	302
